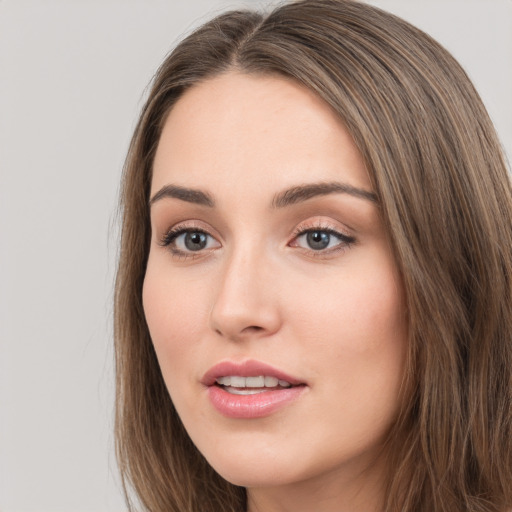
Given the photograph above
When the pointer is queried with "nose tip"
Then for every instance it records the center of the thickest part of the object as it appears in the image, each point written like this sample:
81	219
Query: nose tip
245	305
243	321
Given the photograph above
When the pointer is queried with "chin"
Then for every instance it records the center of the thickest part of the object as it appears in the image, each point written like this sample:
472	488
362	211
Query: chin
256	460
253	468
244	476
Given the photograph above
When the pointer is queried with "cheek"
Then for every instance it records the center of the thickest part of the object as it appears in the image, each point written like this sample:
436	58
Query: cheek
355	330
361	307
174	317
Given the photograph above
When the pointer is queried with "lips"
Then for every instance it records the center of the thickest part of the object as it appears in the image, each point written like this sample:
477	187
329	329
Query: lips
249	368
250	389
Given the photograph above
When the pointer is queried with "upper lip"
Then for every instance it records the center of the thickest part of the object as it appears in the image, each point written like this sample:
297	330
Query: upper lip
248	368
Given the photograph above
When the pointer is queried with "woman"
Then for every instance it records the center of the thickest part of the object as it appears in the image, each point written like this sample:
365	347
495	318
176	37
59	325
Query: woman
313	301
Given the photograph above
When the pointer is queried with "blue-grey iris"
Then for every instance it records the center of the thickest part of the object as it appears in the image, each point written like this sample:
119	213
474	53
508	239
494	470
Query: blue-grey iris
318	240
195	241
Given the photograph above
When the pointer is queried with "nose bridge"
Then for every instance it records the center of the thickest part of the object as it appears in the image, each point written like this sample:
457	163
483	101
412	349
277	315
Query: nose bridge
244	304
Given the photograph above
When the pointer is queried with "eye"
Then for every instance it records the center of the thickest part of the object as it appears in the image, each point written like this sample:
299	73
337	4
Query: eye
186	241
321	240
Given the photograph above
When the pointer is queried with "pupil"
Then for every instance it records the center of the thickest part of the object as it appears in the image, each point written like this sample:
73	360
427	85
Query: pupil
318	239
195	241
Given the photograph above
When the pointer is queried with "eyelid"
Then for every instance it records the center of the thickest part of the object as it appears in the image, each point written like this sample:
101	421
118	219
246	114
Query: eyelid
326	226
176	230
331	227
187	224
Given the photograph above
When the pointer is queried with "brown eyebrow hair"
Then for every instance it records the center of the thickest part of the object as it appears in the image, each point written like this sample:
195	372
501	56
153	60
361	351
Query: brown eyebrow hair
190	195
288	197
304	192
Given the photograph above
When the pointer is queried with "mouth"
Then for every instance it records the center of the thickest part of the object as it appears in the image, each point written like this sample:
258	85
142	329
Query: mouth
250	389
249	374
238	385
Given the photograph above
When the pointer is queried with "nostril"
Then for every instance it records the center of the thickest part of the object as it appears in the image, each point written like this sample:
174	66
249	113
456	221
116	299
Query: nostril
246	331
253	328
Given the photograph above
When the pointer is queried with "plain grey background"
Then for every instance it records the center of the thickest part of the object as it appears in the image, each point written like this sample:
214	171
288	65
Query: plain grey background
72	81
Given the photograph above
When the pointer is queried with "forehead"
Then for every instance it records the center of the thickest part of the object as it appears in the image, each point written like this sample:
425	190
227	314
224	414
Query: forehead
252	128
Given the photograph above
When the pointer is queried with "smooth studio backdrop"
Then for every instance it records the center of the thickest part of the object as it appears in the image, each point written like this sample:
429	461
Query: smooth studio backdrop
72	81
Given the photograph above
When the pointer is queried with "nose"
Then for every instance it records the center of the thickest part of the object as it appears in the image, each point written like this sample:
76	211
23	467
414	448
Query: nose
246	304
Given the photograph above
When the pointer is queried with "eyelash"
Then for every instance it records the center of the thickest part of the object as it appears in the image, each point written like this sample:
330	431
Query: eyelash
345	241
170	237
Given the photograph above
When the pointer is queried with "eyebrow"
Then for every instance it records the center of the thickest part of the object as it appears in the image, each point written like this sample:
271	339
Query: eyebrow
302	193
190	195
285	198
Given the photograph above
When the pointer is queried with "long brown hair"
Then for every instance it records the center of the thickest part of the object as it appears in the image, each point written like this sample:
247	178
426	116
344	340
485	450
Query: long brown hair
445	197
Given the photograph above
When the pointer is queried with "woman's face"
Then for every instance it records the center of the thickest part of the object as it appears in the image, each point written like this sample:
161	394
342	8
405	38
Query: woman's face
271	292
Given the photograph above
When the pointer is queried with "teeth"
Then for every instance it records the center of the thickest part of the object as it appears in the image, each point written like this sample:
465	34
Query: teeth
244	391
271	382
238	382
261	381
254	382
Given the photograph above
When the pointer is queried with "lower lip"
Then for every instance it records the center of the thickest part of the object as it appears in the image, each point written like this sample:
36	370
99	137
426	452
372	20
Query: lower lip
258	405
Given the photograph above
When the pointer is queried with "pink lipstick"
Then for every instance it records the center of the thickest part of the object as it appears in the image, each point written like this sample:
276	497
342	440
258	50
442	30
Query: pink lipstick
250	389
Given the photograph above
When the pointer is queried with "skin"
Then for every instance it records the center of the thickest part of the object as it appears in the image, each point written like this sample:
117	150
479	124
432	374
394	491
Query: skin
334	318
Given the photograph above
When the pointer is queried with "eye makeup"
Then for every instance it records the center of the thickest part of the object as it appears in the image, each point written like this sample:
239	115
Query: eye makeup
318	238
321	239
